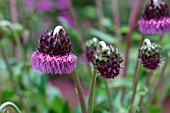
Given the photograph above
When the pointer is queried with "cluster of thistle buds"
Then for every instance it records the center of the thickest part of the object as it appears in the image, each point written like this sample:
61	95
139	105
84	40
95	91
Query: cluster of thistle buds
150	55
106	58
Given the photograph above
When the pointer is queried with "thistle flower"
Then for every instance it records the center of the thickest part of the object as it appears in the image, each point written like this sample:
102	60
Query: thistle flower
150	55
54	54
155	19
107	60
91	46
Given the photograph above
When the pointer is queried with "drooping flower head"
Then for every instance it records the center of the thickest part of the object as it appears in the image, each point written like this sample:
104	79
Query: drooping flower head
107	60
54	54
155	19
91	46
150	55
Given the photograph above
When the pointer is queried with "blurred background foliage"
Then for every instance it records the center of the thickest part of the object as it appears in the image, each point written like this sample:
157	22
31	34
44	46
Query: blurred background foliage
36	92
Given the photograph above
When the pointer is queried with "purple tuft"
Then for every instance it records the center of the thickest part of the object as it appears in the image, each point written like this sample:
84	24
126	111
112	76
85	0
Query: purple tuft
154	26
55	64
155	19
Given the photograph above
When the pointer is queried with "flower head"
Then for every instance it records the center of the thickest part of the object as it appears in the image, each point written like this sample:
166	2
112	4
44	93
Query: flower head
107	60
54	54
155	19
91	46
150	55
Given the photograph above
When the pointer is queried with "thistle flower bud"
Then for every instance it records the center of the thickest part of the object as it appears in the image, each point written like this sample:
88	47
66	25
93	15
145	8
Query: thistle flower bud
59	44
155	19
150	55
107	60
54	54
91	46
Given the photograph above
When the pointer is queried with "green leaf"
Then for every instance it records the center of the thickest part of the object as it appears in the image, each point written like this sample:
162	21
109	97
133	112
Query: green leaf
121	82
66	108
104	36
154	109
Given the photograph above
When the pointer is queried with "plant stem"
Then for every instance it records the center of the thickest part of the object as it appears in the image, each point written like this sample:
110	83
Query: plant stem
132	22
135	83
136	76
160	38
164	90
109	97
147	85
156	85
92	92
100	13
13	9
19	45
8	66
0	90
75	20
116	18
4	105
31	88
89	69
79	90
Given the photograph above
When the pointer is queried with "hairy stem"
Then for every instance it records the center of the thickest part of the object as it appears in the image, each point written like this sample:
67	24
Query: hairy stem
4	105
92	92
156	85
136	77
109	97
132	22
147	85
79	90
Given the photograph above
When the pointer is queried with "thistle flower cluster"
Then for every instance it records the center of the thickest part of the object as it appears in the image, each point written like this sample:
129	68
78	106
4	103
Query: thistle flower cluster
107	60
91	46
155	19
150	55
54	54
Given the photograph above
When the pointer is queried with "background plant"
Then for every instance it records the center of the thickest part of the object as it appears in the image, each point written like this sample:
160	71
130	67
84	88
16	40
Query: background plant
115	24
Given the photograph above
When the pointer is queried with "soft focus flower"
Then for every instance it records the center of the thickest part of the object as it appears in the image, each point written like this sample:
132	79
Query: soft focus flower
91	46
107	60
150	55
65	17
54	54
45	5
155	19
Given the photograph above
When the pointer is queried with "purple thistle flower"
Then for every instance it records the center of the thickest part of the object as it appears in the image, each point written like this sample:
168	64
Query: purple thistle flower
107	60
155	19
45	5
91	46
150	55
54	54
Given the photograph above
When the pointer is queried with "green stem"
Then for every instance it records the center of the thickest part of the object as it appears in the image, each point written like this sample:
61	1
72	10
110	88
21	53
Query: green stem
79	90
156	85
8	66
136	78
4	105
109	97
31	88
147	85
19	46
92	92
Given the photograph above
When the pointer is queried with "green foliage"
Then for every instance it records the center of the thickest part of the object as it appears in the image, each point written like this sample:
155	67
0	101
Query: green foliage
32	90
